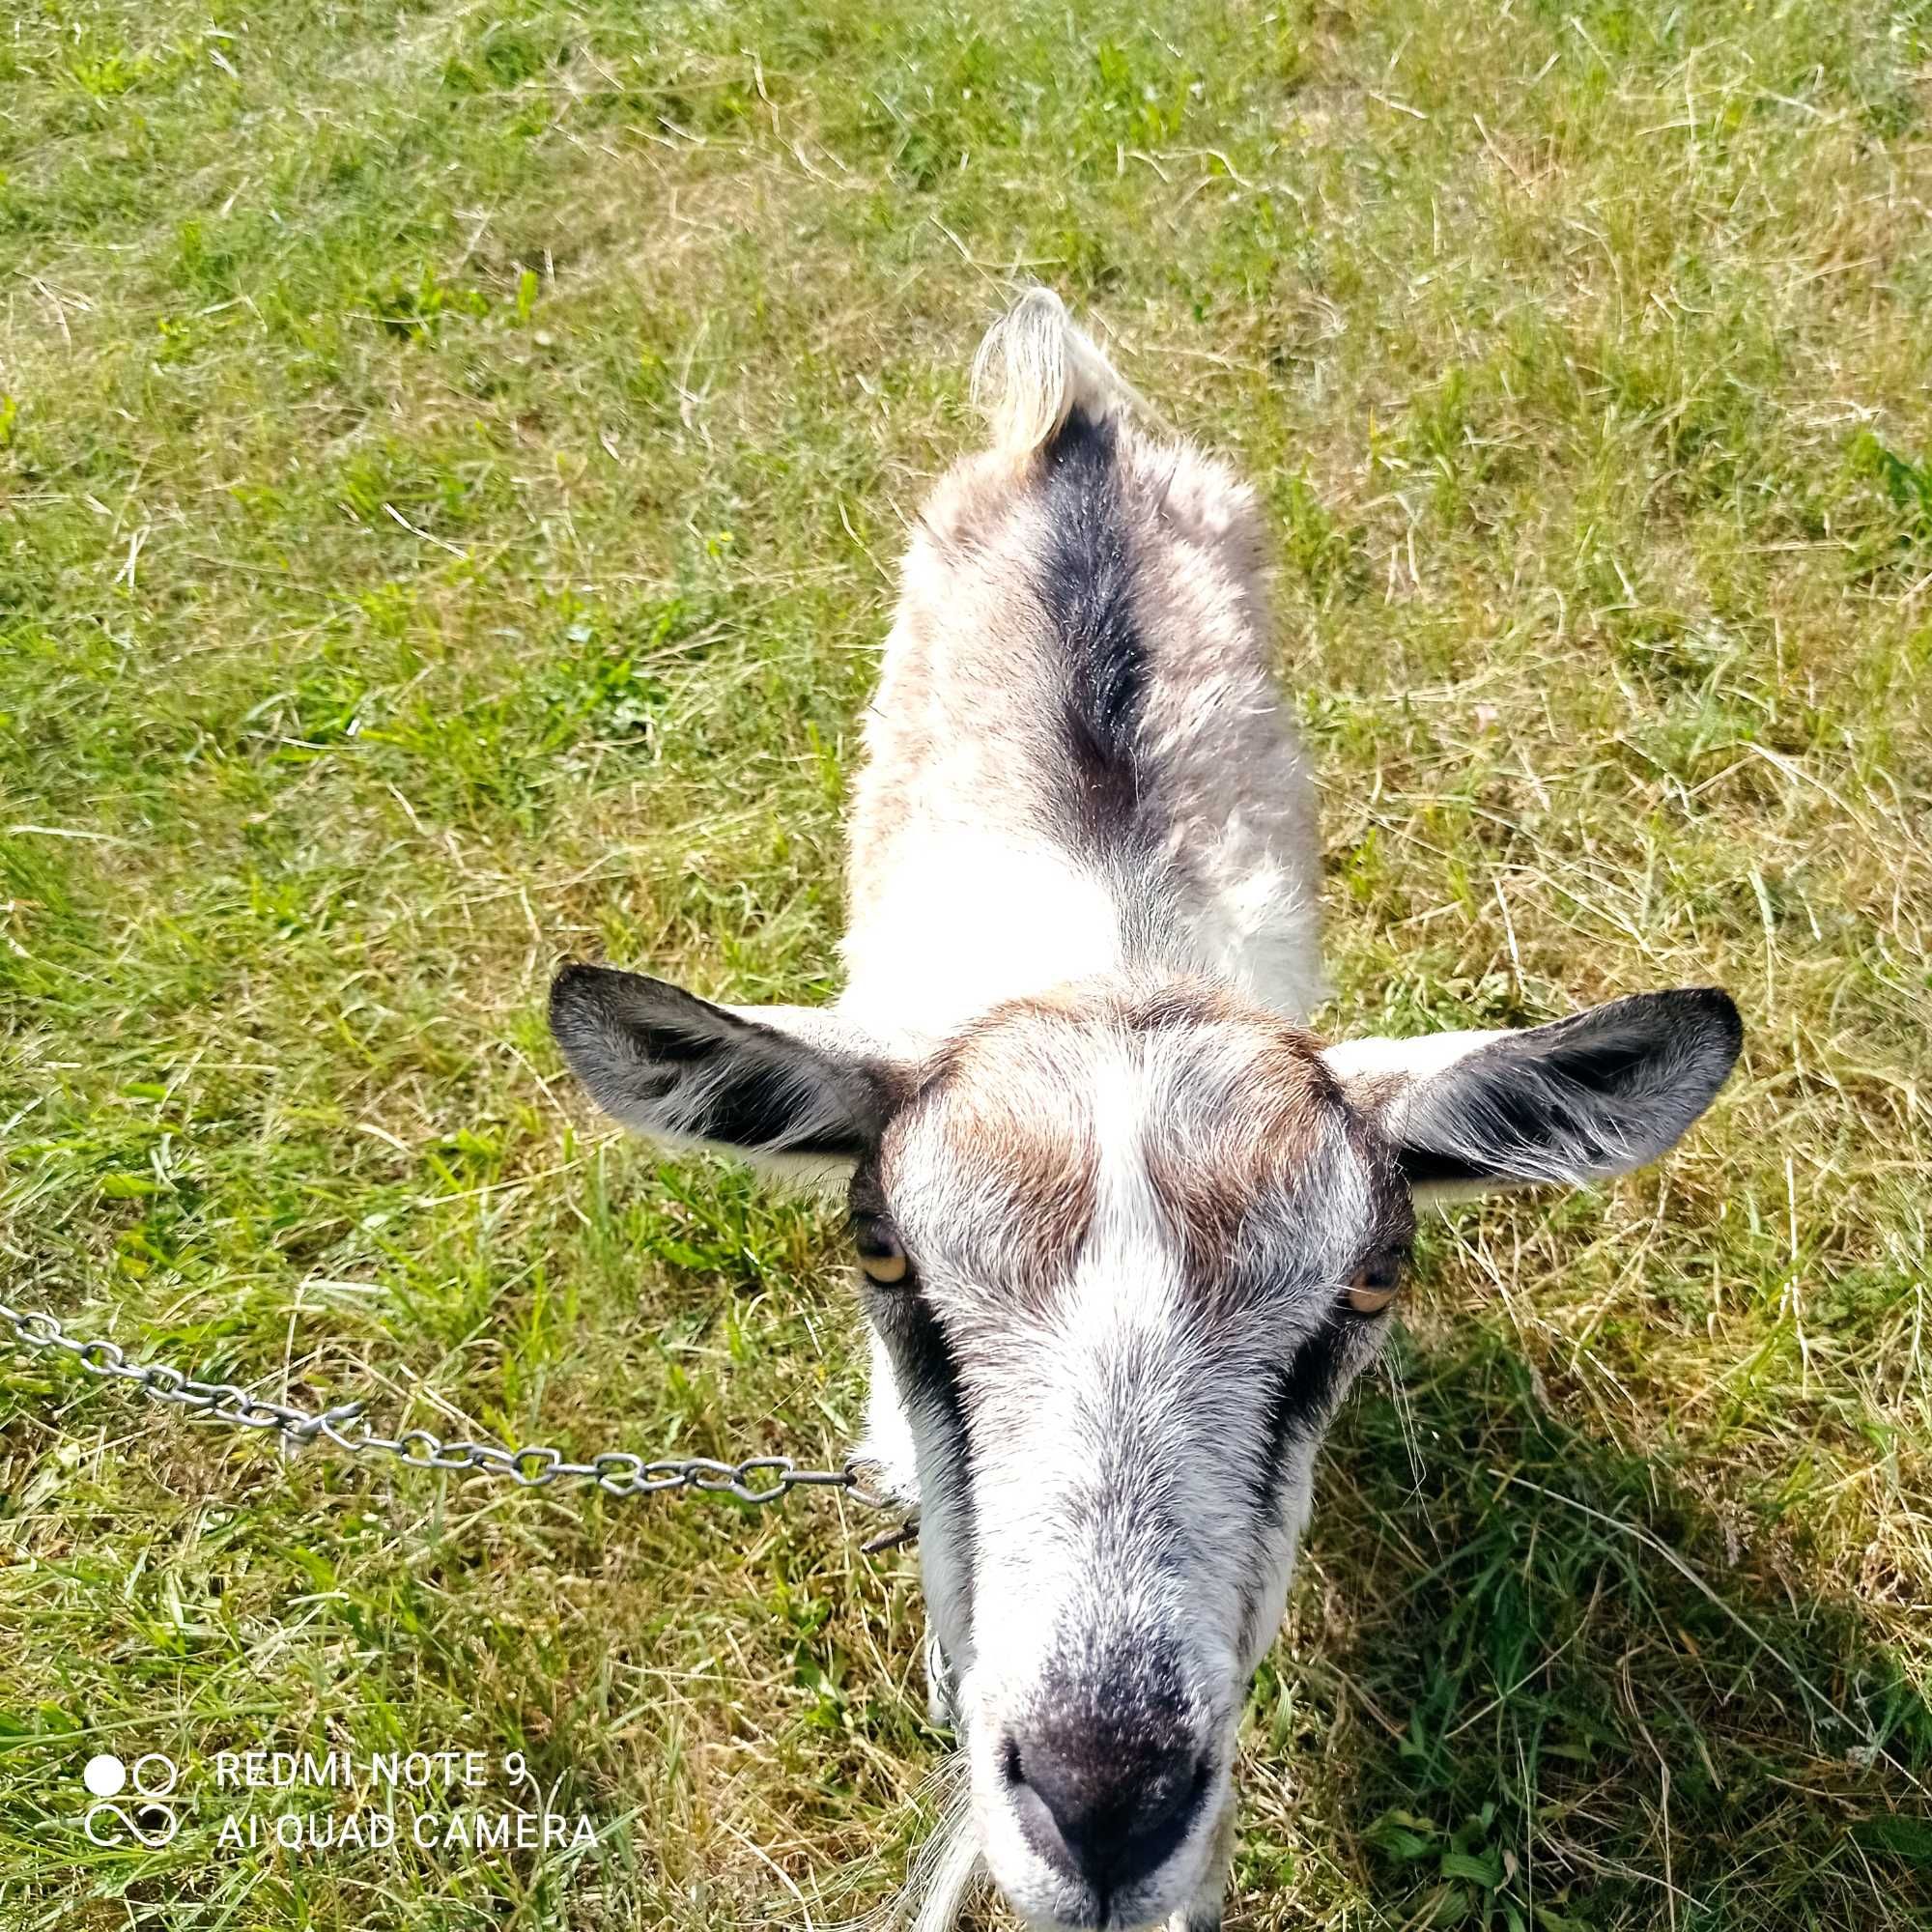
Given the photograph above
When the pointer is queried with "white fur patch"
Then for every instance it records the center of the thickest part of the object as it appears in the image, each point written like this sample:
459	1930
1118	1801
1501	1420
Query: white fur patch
983	916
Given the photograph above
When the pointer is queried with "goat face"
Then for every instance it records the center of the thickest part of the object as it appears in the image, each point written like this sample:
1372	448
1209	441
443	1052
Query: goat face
1125	1246
1109	1244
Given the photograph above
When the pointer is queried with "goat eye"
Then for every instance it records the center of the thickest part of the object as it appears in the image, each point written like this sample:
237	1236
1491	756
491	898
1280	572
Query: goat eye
880	1254
1373	1286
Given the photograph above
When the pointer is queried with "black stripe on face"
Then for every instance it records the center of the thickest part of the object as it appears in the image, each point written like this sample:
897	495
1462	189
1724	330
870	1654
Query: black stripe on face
927	1375
1086	587
928	1384
923	1357
1300	1401
1298	1409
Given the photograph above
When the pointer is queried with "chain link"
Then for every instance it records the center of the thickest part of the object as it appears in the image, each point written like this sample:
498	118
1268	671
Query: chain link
617	1472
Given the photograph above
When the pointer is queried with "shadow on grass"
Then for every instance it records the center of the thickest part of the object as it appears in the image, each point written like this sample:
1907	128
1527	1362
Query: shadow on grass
1536	1683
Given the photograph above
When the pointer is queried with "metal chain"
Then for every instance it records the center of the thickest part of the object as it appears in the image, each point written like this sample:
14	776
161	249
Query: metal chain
757	1479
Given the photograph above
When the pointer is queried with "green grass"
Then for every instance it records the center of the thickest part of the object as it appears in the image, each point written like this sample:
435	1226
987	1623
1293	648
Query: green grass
452	461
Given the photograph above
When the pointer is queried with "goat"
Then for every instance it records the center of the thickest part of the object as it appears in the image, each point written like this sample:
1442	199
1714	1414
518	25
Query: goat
1126	1231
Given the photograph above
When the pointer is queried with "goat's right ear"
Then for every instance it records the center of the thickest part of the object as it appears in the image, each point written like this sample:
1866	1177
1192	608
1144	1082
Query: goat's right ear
791	1086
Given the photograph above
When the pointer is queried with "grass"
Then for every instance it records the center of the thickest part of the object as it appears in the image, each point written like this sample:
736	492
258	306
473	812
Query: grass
452	463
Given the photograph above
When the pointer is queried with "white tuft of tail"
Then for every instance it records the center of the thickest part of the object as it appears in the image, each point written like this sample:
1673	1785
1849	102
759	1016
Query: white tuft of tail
1034	369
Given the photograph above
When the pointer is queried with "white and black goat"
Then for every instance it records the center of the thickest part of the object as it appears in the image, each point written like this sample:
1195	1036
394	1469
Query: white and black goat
1126	1229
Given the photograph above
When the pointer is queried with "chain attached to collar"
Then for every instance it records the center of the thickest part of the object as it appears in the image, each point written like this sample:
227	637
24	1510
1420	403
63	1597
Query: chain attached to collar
757	1479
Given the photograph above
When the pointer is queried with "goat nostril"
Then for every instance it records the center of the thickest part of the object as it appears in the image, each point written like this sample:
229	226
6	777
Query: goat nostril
1111	1817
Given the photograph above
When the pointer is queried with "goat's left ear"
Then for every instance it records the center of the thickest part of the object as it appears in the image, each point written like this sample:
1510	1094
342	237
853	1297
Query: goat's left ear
790	1087
1598	1094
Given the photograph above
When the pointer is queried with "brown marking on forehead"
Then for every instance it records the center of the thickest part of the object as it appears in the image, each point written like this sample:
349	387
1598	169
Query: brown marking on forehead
1009	1108
1239	1102
1264	1102
1200	1003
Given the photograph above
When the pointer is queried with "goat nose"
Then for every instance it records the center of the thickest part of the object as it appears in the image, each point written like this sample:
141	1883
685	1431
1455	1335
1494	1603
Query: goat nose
1108	1816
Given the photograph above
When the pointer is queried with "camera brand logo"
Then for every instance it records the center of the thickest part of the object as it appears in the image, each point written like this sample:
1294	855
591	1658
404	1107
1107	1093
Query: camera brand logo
147	1819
